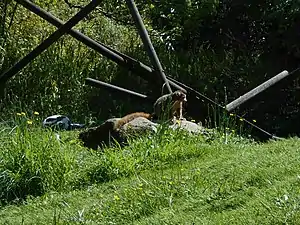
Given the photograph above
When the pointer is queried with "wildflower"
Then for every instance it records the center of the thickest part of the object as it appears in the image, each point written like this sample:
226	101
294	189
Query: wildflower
231	114
29	122
116	198
36	113
22	114
19	114
57	137
254	121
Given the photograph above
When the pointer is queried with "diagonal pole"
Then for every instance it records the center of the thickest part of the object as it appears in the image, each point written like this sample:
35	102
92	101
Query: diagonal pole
118	57
147	42
101	84
256	91
49	41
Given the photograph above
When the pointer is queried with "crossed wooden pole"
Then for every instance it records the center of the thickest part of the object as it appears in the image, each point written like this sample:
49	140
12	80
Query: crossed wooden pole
146	72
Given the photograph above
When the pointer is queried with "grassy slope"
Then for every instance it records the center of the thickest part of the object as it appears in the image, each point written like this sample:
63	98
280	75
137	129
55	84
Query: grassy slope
183	182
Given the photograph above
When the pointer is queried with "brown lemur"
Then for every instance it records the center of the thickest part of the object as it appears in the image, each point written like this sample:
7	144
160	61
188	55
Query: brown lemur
170	106
166	106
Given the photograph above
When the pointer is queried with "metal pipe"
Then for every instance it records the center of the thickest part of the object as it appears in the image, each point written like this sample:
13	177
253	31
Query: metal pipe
140	67
119	58
97	83
147	42
74	33
244	98
49	41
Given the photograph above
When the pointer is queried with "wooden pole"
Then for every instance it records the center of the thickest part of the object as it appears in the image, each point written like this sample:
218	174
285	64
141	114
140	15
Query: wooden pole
110	87
147	42
121	59
49	41
244	98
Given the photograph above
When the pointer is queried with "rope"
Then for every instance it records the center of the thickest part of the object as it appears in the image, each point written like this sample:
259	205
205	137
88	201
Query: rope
272	136
295	70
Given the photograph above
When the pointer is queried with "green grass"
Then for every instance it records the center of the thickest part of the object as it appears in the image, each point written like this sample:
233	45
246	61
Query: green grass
169	178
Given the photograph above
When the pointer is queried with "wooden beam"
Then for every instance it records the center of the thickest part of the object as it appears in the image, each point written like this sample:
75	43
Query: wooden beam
147	42
110	87
49	41
121	59
244	98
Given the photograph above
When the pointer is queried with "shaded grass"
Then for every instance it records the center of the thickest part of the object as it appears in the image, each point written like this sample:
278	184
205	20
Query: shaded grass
32	162
35	161
166	179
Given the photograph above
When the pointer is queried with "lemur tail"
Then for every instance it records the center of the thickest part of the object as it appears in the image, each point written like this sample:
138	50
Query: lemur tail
130	117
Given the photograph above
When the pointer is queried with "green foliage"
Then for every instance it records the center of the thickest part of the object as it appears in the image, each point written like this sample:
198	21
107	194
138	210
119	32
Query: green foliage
141	154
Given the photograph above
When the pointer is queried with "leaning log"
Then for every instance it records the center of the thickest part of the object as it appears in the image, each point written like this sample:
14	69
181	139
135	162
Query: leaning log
110	87
147	42
121	59
264	86
63	29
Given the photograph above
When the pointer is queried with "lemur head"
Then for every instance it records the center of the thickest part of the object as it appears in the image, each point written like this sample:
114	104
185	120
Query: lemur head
179	96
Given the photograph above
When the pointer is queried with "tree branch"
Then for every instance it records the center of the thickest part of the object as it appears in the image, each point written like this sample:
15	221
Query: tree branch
106	14
72	5
112	17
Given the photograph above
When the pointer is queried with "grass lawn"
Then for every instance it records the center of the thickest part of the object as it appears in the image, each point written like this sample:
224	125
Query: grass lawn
168	178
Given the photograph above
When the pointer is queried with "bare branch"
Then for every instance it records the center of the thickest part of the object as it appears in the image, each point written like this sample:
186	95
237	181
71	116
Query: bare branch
13	16
72	5
112	17
106	14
